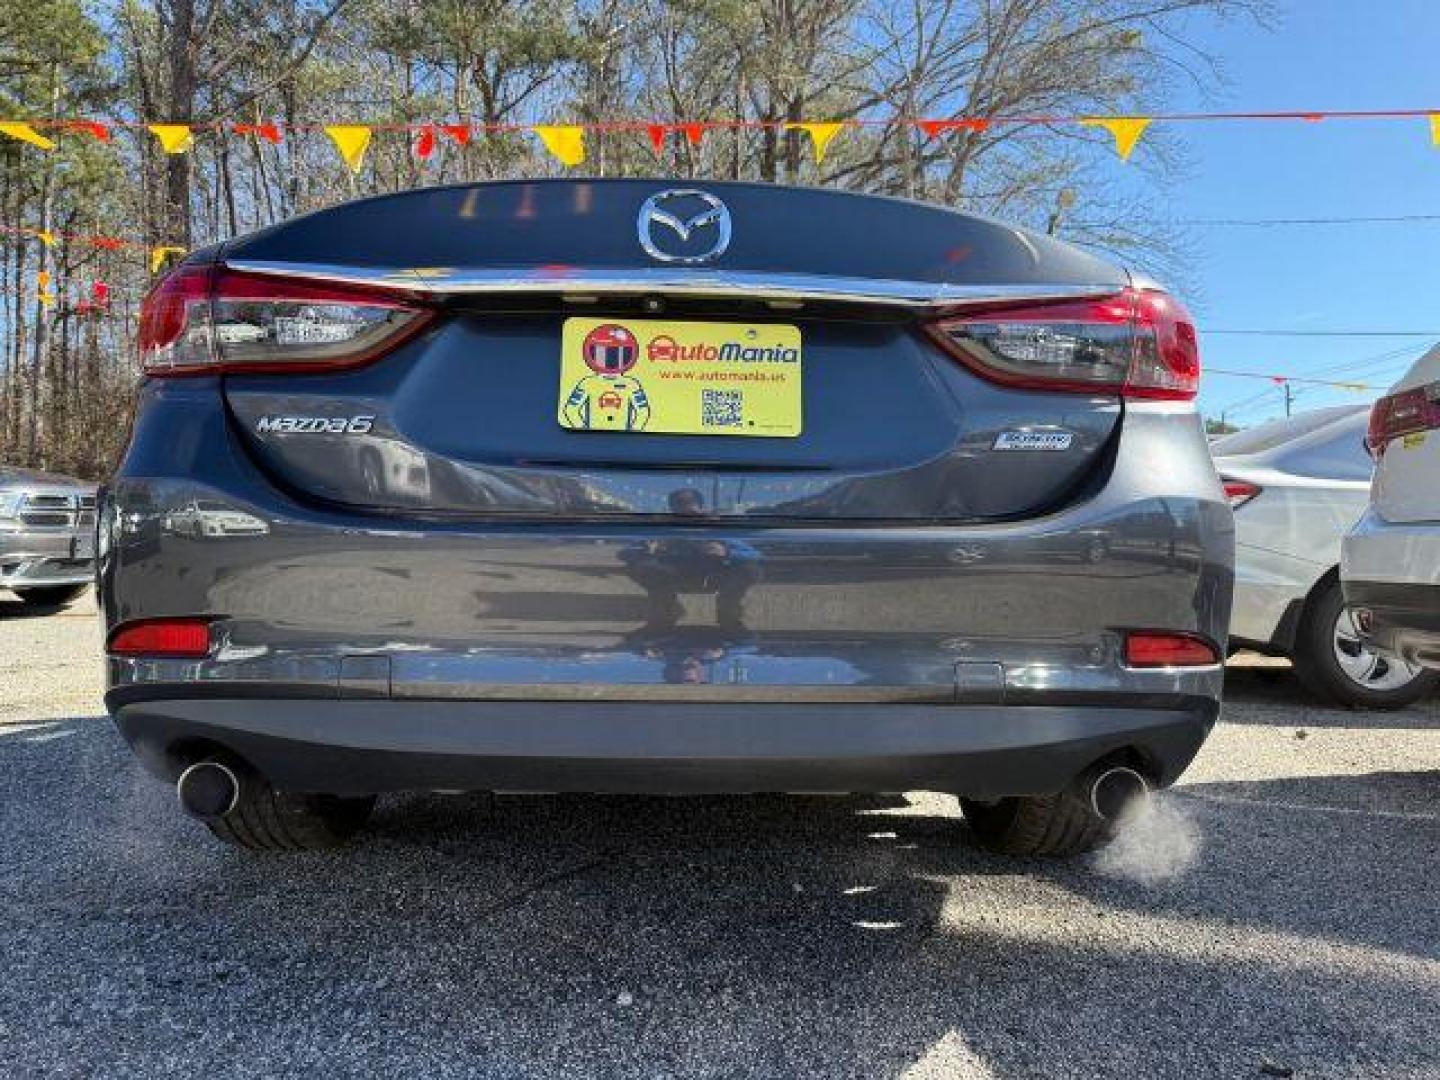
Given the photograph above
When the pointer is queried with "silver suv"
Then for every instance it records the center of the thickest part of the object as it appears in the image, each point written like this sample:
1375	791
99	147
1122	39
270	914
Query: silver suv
47	536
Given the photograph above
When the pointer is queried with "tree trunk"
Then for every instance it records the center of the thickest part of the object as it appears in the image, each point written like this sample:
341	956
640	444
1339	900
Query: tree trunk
181	48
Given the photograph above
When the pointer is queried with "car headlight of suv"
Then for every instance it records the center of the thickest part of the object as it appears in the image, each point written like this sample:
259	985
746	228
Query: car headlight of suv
10	504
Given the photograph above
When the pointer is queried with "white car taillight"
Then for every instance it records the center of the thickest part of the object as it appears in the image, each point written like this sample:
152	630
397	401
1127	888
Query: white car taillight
1139	343
1408	412
1239	492
204	320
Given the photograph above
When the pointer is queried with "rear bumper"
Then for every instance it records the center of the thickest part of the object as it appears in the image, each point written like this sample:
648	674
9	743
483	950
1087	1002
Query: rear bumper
1400	619
360	747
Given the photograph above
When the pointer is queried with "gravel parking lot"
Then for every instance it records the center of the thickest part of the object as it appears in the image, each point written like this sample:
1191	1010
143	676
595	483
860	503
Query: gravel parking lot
761	936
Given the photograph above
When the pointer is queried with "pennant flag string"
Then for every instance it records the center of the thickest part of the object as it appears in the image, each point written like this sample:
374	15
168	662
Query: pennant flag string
176	138
52	239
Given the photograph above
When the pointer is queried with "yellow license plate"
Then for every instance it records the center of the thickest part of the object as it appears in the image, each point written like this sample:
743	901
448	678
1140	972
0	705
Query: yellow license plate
680	378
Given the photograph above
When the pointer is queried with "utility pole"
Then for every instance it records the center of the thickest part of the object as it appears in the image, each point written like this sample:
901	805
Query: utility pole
1289	397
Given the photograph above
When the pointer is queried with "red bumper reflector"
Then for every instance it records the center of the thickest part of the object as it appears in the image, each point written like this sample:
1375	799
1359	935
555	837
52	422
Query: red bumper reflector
162	637
1151	648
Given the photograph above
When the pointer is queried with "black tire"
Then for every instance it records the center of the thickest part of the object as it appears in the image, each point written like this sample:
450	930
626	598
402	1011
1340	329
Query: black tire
1059	824
268	820
48	595
1319	671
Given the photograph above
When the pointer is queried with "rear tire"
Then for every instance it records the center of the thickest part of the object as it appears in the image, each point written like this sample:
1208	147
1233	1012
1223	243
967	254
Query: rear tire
1059	824
48	595
264	819
1319	669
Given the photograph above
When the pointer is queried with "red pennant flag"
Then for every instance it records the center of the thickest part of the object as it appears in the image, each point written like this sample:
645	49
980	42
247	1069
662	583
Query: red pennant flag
109	243
1279	380
933	128
93	128
459	132
269	132
100	293
425	144
659	132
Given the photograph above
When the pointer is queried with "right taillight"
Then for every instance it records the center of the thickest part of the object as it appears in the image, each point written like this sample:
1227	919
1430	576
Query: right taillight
203	320
1405	413
1138	342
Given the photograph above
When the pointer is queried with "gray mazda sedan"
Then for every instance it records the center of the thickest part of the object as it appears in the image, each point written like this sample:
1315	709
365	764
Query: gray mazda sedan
629	486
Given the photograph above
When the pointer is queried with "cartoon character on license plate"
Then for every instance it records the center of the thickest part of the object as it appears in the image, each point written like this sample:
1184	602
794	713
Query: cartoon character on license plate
610	399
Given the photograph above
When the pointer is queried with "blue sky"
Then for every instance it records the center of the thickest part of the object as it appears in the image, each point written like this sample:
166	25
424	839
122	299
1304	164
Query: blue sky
1320	54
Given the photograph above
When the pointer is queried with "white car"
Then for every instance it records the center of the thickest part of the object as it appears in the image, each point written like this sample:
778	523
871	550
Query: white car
1297	485
1391	566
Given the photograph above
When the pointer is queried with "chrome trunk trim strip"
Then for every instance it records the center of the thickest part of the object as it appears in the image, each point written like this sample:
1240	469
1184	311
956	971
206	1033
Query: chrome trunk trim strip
682	281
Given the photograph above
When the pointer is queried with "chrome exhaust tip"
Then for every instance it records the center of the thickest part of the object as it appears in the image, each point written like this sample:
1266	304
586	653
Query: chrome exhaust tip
208	790
1115	789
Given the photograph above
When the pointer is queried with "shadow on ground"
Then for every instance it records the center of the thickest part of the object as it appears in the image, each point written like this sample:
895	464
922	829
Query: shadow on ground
12	607
769	936
1272	696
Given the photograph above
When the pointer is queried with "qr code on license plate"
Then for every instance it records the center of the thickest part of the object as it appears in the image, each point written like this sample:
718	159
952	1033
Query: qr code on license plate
721	408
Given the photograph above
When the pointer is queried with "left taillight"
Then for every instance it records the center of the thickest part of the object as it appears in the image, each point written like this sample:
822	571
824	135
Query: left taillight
1139	343
205	320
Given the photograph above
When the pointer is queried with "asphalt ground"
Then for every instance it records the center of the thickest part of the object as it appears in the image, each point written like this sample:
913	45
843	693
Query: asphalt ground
1277	911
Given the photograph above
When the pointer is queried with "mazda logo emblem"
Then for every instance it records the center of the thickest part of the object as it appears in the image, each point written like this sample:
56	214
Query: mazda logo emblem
684	225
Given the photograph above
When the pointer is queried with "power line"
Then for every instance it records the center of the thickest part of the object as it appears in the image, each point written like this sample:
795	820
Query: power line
1267	332
1377	362
1378	220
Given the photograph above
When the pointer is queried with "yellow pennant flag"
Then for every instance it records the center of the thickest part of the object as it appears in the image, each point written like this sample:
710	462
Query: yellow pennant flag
1355	387
820	134
158	255
352	140
26	133
175	138
46	237
1126	130
42	289
1435	128
565	141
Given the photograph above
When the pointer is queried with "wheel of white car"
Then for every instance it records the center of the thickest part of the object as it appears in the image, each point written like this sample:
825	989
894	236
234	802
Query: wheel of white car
1334	663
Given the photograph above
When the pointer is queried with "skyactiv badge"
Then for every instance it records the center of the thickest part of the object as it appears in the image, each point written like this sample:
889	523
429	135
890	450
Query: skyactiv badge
680	378
1033	440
